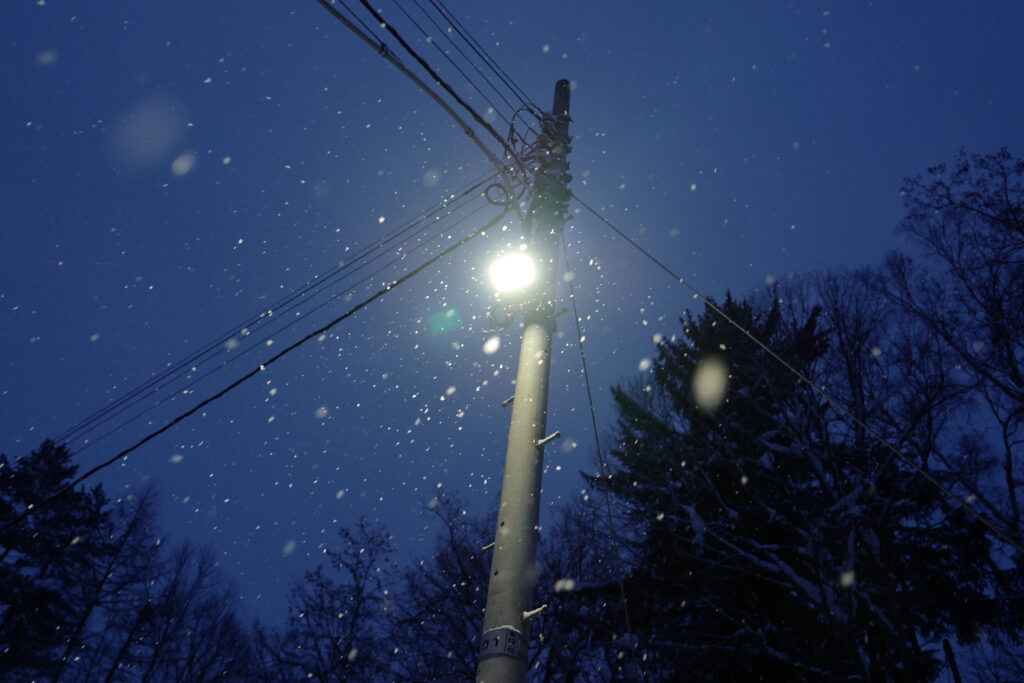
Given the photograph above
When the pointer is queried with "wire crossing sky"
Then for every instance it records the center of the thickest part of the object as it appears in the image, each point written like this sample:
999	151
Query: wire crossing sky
242	338
808	385
175	171
258	369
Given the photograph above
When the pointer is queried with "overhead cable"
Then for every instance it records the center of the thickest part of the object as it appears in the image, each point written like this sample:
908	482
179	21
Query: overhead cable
385	52
252	373
266	339
319	284
440	81
444	53
605	471
482	53
824	393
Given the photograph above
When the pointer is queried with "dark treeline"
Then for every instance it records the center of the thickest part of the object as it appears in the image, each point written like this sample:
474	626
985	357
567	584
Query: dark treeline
758	531
88	592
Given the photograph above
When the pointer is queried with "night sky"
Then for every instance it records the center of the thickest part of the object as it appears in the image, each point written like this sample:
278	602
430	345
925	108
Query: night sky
173	171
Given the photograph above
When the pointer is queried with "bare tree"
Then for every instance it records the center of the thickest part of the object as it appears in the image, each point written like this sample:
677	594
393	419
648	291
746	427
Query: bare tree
336	621
88	591
125	561
967	292
438	618
438	615
179	624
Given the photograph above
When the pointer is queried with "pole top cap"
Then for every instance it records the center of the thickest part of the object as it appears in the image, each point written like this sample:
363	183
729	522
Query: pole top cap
561	106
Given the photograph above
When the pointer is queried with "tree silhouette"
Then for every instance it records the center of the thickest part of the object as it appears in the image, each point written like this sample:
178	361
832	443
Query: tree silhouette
969	220
123	562
178	625
438	617
764	532
774	538
336	628
44	558
965	292
88	592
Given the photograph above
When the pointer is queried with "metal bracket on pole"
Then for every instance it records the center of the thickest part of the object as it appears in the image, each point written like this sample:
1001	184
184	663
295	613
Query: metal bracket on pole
504	640
548	439
527	616
507	401
487	548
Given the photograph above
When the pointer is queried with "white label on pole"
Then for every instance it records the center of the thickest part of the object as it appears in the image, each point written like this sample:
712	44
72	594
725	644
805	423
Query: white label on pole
503	640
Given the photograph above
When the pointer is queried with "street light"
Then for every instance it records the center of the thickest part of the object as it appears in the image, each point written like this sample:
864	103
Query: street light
504	645
513	272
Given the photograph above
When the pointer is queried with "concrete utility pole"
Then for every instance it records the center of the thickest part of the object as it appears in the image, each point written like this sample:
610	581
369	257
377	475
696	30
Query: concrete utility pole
504	647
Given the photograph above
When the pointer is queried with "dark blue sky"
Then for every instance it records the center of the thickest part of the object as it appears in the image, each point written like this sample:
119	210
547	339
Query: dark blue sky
172	169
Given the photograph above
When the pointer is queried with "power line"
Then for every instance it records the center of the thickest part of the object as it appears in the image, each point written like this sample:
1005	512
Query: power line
482	53
356	16
253	372
451	61
828	396
460	31
286	304
385	52
616	541
437	78
174	372
294	321
525	104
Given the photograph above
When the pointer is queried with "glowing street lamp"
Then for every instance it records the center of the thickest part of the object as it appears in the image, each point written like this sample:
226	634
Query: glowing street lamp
504	644
513	272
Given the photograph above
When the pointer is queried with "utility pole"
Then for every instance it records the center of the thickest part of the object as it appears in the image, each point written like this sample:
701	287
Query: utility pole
504	646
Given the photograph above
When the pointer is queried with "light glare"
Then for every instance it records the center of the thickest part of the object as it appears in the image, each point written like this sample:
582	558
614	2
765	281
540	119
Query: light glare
512	272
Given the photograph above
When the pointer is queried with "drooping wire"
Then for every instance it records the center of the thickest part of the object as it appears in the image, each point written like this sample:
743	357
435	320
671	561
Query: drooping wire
320	283
174	372
525	104
443	83
514	136
323	329
294	321
833	400
616	540
451	61
385	51
358	18
482	53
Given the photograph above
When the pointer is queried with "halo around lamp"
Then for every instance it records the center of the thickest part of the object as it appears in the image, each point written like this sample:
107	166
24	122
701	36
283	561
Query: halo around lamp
513	272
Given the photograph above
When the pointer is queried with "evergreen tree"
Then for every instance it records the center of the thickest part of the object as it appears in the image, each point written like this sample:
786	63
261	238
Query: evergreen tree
774	541
44	558
89	593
